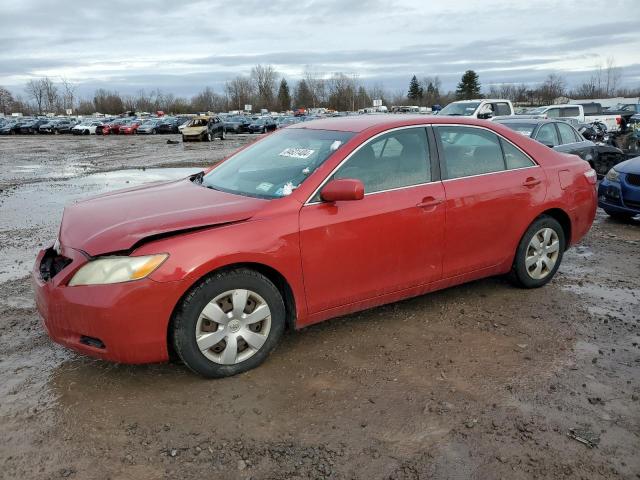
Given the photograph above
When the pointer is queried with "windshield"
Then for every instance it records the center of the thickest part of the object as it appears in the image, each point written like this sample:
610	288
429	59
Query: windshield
277	165
460	108
523	128
198	122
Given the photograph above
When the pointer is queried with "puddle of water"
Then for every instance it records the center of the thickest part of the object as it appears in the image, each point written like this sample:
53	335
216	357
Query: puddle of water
31	213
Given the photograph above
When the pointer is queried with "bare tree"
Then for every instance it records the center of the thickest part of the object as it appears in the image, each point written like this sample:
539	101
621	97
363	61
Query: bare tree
35	91
553	87
264	79
342	92
6	100
239	92
51	98
612	77
317	86
68	93
207	101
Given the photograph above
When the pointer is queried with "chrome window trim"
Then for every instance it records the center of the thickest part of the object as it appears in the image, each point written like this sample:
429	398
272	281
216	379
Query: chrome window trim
426	125
344	160
535	164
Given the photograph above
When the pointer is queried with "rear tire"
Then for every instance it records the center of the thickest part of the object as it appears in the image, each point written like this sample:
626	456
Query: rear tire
223	134
208	137
539	253
210	308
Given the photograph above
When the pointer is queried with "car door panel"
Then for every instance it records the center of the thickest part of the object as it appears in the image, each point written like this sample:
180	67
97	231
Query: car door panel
386	242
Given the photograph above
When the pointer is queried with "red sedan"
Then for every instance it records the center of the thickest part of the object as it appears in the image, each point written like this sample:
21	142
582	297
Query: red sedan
129	128
320	219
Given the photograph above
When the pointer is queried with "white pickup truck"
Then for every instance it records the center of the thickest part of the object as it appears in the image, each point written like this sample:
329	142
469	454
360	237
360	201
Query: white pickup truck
588	113
484	108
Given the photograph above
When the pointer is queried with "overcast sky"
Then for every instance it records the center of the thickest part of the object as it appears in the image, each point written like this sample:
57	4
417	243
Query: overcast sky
182	46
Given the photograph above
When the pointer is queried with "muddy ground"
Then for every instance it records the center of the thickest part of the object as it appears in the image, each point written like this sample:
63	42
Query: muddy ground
479	381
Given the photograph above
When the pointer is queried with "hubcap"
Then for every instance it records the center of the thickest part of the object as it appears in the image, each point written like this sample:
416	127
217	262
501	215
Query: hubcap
233	326
542	253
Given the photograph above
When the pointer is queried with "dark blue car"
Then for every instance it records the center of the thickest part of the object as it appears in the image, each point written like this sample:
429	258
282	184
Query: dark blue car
619	191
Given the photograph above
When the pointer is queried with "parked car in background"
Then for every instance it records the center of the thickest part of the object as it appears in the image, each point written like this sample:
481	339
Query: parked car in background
168	125
619	191
32	126
483	108
283	122
237	124
262	125
295	228
130	127
203	128
86	127
558	135
10	128
593	112
149	127
49	127
112	127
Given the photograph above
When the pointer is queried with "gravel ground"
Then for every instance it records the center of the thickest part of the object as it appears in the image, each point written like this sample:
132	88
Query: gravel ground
478	381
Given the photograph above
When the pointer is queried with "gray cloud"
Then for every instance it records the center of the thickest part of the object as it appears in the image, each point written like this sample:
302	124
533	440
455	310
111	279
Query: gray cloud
184	46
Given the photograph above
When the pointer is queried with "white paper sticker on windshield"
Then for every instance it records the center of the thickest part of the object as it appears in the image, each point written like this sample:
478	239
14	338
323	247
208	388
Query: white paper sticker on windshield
264	186
297	153
335	145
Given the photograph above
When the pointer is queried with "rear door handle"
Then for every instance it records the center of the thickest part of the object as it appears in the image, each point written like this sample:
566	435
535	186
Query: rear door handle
429	202
531	182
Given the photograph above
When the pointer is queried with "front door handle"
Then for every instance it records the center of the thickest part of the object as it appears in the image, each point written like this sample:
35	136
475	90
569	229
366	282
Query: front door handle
531	182
430	202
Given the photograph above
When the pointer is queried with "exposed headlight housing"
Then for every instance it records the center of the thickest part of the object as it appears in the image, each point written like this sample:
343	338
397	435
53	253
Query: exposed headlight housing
115	269
613	175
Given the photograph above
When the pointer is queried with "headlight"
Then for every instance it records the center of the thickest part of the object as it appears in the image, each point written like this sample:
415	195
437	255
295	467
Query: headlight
116	269
613	175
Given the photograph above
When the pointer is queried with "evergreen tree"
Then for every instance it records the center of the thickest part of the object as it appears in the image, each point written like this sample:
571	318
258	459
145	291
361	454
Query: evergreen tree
415	90
284	97
304	96
469	86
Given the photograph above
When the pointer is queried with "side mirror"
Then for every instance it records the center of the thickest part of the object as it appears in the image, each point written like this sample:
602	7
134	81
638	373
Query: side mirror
485	115
343	189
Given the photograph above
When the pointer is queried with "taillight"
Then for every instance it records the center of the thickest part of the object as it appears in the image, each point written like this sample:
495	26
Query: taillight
619	120
591	176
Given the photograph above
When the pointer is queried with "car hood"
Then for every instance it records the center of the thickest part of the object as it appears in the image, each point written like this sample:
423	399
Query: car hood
119	220
193	130
629	166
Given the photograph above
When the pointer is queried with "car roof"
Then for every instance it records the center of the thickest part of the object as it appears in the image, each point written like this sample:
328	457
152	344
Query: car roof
360	123
536	121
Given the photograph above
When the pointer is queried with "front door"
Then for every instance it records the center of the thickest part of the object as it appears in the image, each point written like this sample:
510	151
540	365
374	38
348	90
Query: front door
390	240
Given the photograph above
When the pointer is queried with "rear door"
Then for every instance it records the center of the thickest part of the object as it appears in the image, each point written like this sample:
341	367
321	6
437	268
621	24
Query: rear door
572	142
389	241
492	188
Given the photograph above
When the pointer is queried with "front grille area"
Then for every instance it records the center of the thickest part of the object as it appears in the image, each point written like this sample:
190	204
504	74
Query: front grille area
633	179
52	264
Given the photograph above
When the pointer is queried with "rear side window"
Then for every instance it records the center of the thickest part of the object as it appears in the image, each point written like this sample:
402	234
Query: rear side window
553	113
548	135
566	133
396	159
502	109
469	151
570	112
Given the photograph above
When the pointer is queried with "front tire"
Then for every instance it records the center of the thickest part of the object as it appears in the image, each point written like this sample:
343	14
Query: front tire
208	137
539	253
223	134
228	323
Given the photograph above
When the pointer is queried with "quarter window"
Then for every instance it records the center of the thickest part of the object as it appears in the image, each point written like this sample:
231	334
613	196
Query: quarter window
470	151
396	159
513	157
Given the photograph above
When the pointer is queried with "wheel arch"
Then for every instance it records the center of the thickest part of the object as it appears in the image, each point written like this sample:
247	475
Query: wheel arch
563	219
271	273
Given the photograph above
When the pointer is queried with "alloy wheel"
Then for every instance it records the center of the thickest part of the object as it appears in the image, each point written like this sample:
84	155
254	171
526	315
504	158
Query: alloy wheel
542	253
233	326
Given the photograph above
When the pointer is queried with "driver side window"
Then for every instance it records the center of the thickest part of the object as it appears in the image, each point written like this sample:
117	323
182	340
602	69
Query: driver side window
394	160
